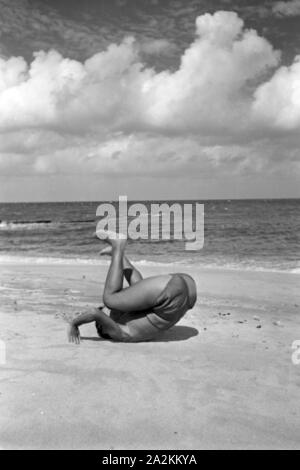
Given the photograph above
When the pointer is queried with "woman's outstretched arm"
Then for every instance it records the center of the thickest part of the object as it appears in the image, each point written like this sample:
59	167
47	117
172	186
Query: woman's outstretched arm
94	315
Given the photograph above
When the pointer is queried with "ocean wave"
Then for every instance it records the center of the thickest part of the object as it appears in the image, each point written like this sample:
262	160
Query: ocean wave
295	271
38	224
247	268
16	259
45	260
8	226
19	259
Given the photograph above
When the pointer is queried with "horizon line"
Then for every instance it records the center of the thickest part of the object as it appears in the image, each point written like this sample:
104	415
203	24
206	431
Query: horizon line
153	200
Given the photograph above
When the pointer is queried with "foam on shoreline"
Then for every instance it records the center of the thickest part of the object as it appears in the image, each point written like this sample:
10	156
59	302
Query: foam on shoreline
45	260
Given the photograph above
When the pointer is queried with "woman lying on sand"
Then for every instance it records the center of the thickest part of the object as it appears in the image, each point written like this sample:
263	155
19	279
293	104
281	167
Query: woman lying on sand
142	310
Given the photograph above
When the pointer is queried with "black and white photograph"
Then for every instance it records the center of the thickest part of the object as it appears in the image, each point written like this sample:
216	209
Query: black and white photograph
149	227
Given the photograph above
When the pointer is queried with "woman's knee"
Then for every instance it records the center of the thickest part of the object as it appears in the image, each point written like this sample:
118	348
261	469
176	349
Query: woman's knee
108	301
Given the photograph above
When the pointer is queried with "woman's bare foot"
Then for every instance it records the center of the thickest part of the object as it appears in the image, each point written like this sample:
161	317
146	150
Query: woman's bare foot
115	240
107	251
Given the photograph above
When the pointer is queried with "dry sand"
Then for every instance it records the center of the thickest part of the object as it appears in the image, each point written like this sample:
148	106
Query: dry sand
223	378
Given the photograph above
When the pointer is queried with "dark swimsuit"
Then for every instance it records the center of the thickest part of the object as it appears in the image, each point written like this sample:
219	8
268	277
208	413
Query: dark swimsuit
176	299
179	296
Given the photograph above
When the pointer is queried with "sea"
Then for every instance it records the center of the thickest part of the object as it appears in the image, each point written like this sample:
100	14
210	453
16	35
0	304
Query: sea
254	235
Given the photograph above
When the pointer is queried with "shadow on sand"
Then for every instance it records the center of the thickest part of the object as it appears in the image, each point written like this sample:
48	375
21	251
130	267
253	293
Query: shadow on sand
177	333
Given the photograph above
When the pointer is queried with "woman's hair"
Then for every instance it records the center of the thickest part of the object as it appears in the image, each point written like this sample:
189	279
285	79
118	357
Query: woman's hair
100	332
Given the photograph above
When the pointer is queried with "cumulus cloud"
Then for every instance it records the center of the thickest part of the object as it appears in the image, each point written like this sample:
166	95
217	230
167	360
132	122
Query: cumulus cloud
277	102
290	8
112	89
112	114
124	155
56	92
209	92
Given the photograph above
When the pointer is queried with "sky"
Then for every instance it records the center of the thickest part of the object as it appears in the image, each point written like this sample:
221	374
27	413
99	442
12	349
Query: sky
153	99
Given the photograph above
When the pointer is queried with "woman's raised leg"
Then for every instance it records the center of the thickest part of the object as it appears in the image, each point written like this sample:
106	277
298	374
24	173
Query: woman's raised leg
138	297
131	273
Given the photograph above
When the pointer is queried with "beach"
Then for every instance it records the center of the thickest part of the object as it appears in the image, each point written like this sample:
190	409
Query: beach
175	125
222	378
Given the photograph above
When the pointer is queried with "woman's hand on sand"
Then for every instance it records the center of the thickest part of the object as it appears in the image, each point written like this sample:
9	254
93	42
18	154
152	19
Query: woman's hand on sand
73	334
